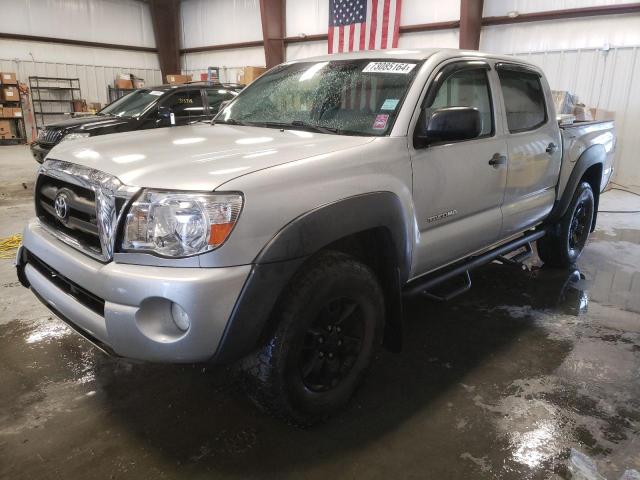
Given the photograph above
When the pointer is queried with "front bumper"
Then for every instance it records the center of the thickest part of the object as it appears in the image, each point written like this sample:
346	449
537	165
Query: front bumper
39	152
126	309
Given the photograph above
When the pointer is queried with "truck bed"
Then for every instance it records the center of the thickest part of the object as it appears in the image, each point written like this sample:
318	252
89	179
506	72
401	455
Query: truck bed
578	137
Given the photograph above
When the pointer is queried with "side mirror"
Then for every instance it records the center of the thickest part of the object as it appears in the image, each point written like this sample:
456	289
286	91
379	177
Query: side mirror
450	124
166	116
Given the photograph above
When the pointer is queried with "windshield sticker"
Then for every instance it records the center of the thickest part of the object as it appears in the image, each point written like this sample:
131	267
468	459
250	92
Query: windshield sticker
390	104
157	93
389	67
380	123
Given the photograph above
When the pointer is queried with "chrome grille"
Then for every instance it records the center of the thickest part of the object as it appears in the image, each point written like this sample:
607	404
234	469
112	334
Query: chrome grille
49	137
81	206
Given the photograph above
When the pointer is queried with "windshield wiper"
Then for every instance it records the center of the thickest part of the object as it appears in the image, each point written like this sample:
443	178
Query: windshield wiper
229	121
299	124
315	128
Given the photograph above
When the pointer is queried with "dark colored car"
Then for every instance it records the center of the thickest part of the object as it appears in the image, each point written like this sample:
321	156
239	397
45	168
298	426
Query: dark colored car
141	109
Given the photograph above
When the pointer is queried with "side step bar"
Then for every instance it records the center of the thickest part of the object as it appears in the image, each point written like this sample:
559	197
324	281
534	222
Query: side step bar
428	282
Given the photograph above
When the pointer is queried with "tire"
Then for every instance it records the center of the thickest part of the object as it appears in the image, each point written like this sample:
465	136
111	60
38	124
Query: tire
327	326
565	240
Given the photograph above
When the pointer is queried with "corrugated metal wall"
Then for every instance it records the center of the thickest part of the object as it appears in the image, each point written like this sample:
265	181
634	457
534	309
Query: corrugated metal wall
606	79
93	80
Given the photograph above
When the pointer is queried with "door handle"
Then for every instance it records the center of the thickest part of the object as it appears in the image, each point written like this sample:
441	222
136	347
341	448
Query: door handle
497	160
551	148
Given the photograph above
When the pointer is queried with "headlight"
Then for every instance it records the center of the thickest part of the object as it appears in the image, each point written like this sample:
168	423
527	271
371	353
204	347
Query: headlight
177	224
74	136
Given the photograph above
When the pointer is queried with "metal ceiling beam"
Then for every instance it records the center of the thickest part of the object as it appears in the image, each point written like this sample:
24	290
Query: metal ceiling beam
470	24
165	17
272	14
69	41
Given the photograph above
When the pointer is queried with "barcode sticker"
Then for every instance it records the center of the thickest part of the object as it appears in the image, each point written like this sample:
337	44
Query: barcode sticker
389	67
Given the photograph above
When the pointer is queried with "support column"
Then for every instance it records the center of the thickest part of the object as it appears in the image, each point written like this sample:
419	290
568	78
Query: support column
165	16
470	23
272	13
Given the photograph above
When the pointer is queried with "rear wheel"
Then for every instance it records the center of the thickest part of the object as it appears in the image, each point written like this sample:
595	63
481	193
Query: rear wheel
565	240
328	325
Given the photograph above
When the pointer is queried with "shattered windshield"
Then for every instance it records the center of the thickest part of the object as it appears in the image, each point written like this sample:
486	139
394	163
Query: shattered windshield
351	97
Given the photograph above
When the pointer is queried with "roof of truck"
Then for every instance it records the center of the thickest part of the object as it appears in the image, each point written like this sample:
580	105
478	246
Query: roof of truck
412	54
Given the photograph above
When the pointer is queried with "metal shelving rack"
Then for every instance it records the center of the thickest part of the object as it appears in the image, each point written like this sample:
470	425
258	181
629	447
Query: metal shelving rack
53	97
114	93
20	128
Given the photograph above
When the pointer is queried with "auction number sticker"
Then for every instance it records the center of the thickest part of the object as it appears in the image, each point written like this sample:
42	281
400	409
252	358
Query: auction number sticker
389	67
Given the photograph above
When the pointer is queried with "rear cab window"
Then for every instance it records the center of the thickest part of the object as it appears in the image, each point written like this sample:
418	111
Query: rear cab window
524	99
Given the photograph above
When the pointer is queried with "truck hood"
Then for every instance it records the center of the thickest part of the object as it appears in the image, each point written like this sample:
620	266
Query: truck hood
197	157
89	122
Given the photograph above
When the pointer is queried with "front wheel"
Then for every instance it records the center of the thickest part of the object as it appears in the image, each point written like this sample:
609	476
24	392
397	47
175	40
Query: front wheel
327	327
565	240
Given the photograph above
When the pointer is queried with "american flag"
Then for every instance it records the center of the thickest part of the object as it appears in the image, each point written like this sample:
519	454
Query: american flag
363	25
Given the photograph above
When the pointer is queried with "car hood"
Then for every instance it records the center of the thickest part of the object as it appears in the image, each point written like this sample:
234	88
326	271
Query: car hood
197	157
88	122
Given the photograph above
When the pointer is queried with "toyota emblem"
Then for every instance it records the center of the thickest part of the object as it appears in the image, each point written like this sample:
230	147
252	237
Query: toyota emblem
61	205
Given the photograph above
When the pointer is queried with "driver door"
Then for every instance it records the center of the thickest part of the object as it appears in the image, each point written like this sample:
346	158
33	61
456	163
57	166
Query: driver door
457	192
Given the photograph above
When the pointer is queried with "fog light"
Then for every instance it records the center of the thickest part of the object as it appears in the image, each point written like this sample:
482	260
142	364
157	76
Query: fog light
180	317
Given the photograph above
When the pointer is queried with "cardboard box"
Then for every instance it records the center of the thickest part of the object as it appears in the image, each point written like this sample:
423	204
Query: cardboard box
79	105
177	79
602	114
8	78
10	94
126	84
249	74
582	113
11	112
5	127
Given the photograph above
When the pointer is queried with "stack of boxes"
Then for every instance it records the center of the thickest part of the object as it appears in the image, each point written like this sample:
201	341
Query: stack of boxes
128	81
10	109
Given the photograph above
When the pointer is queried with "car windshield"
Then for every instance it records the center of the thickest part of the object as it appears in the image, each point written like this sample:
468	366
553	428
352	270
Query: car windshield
132	104
351	97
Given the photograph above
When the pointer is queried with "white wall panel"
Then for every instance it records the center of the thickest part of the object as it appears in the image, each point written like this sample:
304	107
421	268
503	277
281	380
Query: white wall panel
94	79
436	39
229	61
312	16
296	51
216	22
494	8
126	22
429	11
592	32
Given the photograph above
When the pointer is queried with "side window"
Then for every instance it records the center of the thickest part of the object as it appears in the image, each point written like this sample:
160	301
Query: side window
186	104
466	88
215	97
523	100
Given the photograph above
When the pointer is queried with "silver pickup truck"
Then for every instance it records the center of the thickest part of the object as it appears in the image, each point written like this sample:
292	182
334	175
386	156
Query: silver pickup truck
283	236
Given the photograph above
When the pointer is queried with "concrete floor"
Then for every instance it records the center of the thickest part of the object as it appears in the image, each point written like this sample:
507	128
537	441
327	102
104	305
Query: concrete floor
500	383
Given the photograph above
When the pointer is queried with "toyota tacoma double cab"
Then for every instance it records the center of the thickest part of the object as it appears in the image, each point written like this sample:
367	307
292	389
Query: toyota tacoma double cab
283	236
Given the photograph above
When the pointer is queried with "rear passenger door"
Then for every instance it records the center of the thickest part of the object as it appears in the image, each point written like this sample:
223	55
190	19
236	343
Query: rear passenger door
533	144
187	106
457	189
215	97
